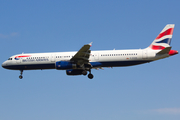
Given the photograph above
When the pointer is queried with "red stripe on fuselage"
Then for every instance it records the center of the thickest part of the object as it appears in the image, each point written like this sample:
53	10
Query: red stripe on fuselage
167	32
23	56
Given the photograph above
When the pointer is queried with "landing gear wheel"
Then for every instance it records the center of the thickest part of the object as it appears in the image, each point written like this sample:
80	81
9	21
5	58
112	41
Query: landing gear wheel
84	72
90	76
20	76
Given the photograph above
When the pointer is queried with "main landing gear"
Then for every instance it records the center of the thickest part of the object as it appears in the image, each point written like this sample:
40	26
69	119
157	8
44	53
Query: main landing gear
84	72
90	76
20	76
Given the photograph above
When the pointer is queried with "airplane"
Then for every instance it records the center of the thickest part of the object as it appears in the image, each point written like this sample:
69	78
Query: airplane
82	61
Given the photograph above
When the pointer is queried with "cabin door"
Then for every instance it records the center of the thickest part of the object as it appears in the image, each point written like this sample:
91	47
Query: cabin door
53	57
96	56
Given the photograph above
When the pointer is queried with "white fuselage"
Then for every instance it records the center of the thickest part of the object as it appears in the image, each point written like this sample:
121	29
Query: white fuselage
98	59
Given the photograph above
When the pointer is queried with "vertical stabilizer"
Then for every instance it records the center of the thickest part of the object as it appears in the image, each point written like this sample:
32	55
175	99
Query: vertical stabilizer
163	40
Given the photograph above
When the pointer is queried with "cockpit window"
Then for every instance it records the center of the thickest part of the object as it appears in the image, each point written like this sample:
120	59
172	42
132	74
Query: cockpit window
10	59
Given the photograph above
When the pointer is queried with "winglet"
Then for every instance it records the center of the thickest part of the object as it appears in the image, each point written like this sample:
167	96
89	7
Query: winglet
90	43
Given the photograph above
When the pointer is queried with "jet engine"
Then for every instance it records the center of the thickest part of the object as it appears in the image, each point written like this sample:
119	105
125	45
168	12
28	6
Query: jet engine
64	65
74	72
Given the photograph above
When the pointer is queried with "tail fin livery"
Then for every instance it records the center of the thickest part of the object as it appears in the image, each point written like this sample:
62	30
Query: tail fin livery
163	40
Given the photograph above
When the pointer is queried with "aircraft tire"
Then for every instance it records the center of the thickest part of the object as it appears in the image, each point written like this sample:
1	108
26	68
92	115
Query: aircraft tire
90	76
84	72
20	77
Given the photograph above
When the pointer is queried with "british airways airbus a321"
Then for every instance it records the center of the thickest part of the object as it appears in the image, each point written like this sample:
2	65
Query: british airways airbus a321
82	61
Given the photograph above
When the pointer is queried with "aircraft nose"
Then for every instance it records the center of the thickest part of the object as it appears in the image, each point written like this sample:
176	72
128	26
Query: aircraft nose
4	65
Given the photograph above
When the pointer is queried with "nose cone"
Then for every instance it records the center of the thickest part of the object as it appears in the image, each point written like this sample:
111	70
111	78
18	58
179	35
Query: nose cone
4	65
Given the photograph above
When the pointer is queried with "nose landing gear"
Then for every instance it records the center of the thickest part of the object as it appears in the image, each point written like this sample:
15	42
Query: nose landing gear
20	76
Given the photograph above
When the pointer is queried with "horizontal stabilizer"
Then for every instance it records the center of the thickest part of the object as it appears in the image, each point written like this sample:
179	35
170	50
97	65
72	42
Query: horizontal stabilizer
164	51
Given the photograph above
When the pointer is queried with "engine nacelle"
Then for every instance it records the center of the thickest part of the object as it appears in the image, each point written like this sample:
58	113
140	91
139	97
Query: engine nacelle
64	65
74	72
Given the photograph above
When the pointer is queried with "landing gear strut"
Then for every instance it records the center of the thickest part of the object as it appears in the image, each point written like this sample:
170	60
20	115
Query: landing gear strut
90	76
20	76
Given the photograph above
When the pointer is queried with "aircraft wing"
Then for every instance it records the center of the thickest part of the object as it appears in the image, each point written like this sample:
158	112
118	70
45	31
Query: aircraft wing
82	56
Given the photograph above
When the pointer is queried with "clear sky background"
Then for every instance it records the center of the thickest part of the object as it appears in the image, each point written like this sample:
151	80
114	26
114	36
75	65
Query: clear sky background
145	92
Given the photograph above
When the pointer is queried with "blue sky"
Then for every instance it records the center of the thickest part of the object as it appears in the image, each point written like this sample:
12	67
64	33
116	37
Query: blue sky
148	91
